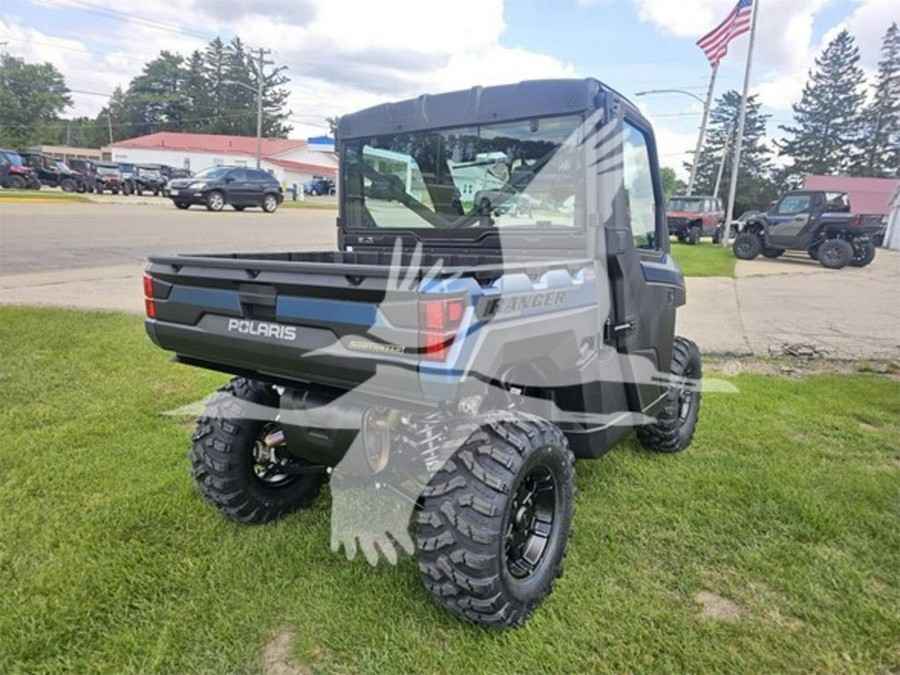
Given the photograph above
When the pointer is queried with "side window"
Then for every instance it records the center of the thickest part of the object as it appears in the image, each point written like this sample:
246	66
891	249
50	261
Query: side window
638	177
238	175
794	204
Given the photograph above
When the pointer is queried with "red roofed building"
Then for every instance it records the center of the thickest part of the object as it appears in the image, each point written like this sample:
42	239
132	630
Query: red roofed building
867	195
291	161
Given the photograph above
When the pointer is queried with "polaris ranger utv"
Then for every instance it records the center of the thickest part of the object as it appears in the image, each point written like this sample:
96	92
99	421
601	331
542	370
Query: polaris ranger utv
447	360
820	223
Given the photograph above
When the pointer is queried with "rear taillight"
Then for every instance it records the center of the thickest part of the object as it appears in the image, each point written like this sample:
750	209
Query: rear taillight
149	302
857	220
439	318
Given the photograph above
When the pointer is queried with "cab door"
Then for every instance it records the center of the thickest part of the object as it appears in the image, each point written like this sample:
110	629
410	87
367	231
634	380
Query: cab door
646	284
792	217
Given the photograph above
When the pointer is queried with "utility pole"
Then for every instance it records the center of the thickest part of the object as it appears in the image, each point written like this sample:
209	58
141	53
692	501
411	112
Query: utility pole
109	124
702	136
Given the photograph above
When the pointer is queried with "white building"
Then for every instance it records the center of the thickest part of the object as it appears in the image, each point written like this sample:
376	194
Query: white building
292	162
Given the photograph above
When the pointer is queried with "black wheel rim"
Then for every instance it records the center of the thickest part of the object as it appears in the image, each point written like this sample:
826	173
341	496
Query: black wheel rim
265	463
530	521
744	248
830	255
685	396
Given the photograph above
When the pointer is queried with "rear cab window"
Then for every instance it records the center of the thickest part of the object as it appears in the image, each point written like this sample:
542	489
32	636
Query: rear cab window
640	196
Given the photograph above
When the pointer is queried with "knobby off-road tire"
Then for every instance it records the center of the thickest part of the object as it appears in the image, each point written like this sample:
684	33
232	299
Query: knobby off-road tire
835	254
747	246
222	461
674	428
486	551
863	254
694	235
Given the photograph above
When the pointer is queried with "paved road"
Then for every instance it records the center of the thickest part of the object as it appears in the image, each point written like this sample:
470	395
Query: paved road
91	256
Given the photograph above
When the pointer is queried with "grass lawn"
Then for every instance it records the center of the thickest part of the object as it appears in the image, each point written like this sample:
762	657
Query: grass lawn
44	195
786	506
705	259
308	204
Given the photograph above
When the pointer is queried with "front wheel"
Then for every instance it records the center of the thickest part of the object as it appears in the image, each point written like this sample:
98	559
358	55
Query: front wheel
68	185
16	183
747	246
215	201
235	470
694	235
674	427
863	253
496	519
270	204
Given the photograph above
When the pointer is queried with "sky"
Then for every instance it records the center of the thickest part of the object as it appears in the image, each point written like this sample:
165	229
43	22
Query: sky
343	55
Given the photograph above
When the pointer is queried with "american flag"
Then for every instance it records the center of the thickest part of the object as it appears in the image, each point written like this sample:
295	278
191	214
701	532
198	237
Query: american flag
715	43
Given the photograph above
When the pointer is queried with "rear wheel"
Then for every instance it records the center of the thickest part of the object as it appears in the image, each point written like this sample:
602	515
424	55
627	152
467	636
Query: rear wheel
835	254
674	428
232	465
771	252
863	253
496	519
694	235
215	201
68	185
270	203
747	246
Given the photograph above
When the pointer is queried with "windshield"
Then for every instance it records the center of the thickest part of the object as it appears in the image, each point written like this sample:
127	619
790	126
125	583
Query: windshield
213	172
107	171
514	174
149	173
14	158
686	205
61	165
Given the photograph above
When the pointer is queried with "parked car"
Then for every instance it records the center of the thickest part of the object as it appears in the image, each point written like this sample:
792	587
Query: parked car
820	223
48	173
128	177
109	177
223	185
319	187
147	178
14	175
88	170
64	170
693	216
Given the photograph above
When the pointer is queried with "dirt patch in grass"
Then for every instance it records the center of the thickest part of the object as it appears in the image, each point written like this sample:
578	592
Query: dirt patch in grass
276	655
718	608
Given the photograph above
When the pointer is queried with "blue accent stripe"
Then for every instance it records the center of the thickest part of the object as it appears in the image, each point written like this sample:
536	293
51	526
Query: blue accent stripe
340	311
208	298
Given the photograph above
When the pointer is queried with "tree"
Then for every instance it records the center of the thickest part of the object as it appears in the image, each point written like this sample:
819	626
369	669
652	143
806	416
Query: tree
826	119
333	123
879	143
672	184
32	96
755	185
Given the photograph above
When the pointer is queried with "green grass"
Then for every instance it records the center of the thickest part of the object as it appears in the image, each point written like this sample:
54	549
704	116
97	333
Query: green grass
43	195
704	260
110	562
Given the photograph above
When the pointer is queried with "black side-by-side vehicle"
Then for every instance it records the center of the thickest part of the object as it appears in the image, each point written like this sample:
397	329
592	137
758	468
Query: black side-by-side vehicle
448	361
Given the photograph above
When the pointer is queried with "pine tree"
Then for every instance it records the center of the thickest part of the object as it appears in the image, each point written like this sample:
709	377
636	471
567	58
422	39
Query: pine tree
755	187
827	118
879	144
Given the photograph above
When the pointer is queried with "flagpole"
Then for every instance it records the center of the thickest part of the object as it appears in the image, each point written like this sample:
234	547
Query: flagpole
735	168
701	138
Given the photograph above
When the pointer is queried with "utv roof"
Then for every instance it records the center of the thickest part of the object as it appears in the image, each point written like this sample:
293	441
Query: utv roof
479	105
